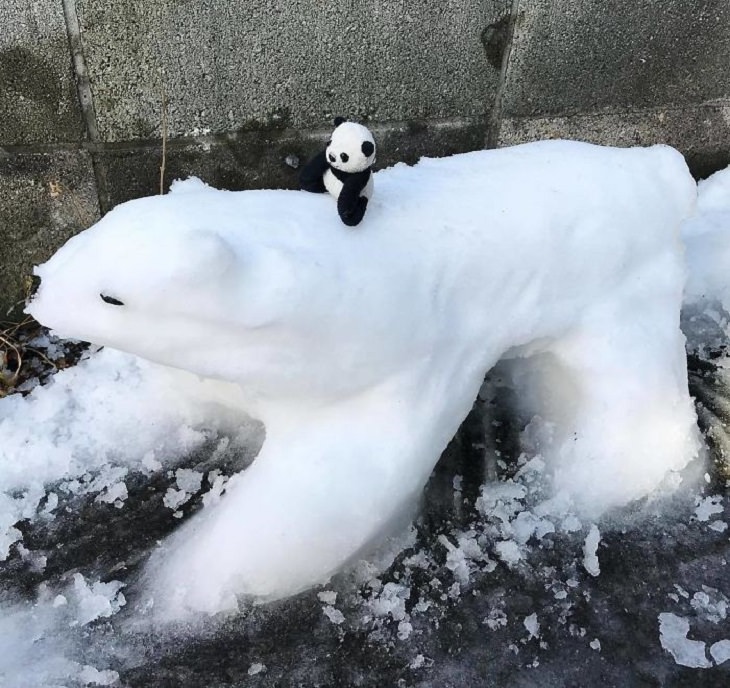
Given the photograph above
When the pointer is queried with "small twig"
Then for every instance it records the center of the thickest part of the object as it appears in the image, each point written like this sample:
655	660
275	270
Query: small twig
164	140
43	356
9	344
13	327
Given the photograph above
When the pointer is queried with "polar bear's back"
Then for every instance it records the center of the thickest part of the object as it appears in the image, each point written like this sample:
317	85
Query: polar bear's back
546	222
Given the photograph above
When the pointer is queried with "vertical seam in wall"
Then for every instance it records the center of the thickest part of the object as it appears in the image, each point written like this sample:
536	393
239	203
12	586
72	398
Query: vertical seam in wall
83	87
495	119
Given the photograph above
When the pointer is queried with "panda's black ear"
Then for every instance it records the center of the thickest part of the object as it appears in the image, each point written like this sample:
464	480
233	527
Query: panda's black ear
339	120
368	148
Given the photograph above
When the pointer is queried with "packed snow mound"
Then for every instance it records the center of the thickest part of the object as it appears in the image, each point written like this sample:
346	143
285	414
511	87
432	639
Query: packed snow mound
707	236
362	351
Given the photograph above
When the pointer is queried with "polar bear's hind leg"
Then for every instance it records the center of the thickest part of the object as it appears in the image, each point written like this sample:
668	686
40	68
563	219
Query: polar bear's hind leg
625	420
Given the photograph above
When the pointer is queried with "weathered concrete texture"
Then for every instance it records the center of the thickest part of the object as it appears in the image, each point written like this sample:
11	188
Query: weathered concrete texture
266	158
283	63
701	133
38	99
46	199
573	56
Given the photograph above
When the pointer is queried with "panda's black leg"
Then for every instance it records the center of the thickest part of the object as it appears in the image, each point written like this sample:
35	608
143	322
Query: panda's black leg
352	214
311	176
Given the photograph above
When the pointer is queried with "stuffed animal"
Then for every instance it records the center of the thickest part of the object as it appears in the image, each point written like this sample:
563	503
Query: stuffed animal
344	169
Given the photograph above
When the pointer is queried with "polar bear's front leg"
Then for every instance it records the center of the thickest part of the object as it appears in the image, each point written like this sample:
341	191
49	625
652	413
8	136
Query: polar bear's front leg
328	481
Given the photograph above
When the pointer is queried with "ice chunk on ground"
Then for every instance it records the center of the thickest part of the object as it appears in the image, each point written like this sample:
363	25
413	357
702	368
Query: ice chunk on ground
710	604
708	506
334	615
720	651
590	551
188	480
509	552
497	619
673	632
174	498
96	600
405	628
218	484
532	625
116	493
89	676
256	668
391	601
327	596
418	662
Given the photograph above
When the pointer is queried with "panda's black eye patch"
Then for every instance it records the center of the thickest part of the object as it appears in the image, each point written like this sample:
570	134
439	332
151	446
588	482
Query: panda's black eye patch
111	300
332	157
344	157
367	148
329	143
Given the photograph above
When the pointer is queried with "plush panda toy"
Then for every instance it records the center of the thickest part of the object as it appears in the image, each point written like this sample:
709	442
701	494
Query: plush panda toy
344	169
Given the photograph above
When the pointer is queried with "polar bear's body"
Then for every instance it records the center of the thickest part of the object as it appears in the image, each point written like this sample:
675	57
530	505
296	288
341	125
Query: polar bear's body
363	352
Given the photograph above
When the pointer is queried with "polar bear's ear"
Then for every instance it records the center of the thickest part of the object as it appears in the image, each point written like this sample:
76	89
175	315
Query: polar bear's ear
339	120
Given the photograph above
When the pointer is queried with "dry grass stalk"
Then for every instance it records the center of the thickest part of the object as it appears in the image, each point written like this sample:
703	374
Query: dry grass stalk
164	141
9	351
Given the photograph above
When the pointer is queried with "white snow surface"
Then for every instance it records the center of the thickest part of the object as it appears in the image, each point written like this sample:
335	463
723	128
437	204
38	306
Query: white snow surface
708	248
362	350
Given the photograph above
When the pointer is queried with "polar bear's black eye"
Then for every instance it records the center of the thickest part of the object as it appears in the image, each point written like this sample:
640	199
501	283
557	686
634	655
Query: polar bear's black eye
111	300
344	157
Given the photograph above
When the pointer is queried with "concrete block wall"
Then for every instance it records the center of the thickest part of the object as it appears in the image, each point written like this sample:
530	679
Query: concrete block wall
244	90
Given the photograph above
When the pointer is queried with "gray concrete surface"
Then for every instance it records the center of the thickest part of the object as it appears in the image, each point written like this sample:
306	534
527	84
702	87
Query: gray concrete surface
576	56
246	86
38	101
288	63
267	158
46	198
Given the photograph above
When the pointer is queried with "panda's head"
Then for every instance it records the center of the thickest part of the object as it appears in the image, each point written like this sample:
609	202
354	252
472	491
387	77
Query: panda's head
351	148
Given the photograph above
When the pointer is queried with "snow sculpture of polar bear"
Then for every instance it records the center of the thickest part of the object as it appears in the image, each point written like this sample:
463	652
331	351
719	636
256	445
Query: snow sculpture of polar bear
362	352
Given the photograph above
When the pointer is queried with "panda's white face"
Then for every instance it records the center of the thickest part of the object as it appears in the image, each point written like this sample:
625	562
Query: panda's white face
351	148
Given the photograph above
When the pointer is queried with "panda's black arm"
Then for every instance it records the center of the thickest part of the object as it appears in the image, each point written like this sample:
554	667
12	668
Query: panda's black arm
310	178
353	185
350	204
